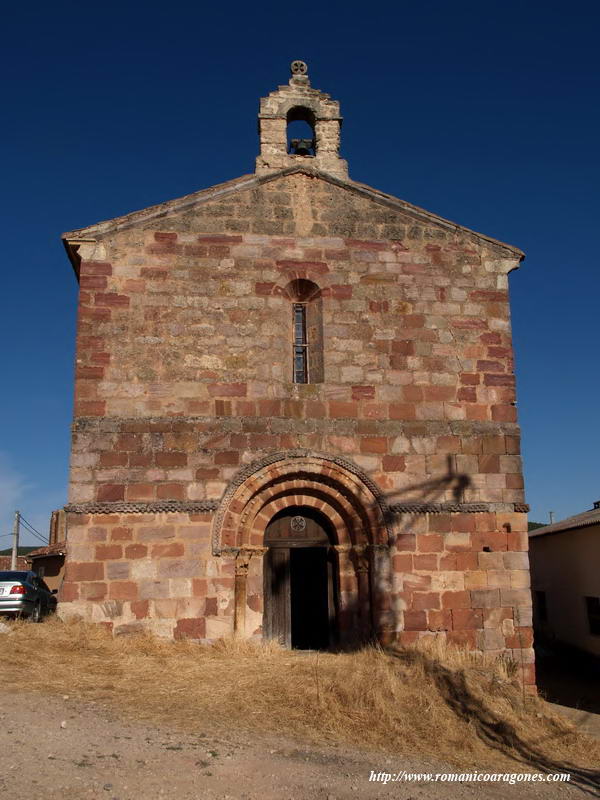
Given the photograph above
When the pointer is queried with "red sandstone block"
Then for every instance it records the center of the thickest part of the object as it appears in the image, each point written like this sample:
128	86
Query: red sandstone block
112	299
84	571
190	628
448	444
121	534
415	621
406	541
339	409
165	236
171	459
470	378
170	491
140	608
448	561
90	408
499	380
489	366
439	620
95	268
402	411
341	292
422	601
227	389
456	600
488	295
504	413
426	561
467	619
108	552
430	543
379	306
110	492
199	587
133	551
407	638
517	541
403	347
363	392
373	444
140	459
464	638
210	607
169	549
140	491
402	563
220	239
207	474
92	282
490	338
467	394
245	408
123	590
466	561
68	592
393	463
127	442
439	393
110	459
264	289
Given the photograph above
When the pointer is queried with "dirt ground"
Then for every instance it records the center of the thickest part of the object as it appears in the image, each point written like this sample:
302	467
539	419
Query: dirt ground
55	748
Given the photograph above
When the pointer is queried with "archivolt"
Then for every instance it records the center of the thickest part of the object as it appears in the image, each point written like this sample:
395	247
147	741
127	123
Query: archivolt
333	485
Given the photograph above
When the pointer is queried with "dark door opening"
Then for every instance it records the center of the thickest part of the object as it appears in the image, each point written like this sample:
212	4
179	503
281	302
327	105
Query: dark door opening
299	581
309	598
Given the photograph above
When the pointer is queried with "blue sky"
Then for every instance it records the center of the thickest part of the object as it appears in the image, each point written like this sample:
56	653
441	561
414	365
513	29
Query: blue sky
484	112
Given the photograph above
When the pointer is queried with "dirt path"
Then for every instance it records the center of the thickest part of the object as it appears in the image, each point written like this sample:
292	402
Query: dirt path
55	748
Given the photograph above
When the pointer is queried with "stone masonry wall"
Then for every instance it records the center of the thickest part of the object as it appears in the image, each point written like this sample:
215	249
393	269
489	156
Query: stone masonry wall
184	367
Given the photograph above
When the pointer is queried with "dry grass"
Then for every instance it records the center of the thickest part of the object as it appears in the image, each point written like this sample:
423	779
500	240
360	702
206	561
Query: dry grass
441	703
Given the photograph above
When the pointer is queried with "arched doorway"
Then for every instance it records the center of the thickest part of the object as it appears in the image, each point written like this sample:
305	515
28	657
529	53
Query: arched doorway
300	580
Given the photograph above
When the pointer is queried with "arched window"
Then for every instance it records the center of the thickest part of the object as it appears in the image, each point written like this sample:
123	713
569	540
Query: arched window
301	132
307	331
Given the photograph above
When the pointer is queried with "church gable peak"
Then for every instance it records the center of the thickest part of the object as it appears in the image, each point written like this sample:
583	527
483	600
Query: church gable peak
297	101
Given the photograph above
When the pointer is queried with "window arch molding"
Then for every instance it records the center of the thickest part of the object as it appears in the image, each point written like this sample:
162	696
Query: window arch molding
306	317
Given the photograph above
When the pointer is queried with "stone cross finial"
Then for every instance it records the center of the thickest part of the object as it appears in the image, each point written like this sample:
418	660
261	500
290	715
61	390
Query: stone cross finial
299	68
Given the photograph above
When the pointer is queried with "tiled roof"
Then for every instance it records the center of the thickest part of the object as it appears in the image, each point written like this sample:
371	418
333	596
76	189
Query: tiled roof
578	521
57	549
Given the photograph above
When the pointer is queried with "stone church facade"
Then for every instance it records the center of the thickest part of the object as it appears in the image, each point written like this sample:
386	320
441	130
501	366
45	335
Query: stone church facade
295	413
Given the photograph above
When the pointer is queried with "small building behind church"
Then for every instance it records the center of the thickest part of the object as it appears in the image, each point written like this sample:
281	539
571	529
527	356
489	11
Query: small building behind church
565	579
295	412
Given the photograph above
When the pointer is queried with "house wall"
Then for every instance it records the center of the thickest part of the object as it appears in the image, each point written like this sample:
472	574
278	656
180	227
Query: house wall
184	379
565	566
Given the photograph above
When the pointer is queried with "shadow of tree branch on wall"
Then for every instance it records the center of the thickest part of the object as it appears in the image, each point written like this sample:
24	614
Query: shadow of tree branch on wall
426	493
495	732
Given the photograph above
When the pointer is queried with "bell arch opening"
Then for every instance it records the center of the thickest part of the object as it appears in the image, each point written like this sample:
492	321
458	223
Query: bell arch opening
300	132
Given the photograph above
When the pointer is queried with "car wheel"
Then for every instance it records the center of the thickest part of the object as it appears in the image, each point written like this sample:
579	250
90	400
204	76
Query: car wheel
36	614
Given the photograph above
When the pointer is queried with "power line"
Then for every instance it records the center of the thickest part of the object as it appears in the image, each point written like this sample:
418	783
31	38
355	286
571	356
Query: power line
33	531
29	525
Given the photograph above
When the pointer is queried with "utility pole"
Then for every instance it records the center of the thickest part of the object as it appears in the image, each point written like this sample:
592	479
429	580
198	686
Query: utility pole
551	513
15	544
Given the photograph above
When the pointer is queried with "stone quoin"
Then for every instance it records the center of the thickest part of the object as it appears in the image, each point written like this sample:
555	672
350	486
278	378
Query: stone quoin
295	412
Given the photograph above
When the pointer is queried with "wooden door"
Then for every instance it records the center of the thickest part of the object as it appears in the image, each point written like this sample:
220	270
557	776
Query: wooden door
277	596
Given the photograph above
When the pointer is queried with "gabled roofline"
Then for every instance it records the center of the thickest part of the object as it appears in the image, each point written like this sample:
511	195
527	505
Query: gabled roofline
91	233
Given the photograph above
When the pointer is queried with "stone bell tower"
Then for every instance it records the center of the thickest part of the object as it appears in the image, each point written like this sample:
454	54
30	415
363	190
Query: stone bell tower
298	101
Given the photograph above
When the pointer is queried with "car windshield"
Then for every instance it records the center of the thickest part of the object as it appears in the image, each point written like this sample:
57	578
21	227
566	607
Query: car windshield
13	576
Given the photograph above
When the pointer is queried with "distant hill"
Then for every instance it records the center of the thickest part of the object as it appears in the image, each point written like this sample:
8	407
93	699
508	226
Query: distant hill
531	526
22	551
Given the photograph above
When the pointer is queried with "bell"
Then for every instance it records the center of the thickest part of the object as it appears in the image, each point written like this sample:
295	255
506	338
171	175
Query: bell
302	147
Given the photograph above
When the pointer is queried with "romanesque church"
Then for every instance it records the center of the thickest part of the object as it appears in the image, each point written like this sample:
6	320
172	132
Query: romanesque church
295	413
